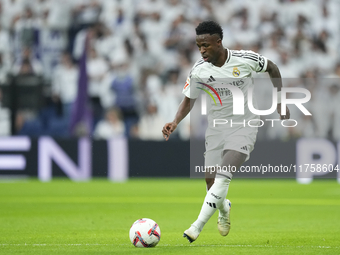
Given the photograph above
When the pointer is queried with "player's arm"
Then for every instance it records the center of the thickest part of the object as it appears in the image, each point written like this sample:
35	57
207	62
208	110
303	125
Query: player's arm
183	110
275	77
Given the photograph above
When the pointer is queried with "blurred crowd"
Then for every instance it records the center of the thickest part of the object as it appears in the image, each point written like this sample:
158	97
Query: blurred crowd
139	54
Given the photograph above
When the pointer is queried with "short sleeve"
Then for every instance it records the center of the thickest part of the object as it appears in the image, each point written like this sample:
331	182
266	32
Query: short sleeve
192	85
256	62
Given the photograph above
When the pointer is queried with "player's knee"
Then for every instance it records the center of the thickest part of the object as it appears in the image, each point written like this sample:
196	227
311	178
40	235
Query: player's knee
209	182
210	177
234	157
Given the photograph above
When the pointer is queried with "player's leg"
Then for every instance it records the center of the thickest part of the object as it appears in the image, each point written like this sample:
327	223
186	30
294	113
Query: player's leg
238	148
216	194
212	156
223	223
233	158
210	178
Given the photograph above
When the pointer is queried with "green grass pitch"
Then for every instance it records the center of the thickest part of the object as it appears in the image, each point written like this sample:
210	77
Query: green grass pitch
267	217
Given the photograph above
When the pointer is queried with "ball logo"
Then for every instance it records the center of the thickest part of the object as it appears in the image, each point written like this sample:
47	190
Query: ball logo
236	72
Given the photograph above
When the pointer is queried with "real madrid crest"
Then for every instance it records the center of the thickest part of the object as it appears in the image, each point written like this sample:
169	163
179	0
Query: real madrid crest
236	72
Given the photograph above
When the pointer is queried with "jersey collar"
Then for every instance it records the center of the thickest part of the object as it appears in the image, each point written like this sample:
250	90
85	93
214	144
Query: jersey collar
228	58
229	55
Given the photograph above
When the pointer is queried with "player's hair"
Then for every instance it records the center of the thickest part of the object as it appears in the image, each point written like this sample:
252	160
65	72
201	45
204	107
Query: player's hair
209	27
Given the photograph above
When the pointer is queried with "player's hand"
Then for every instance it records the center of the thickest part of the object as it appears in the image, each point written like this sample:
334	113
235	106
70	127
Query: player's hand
168	129
283	117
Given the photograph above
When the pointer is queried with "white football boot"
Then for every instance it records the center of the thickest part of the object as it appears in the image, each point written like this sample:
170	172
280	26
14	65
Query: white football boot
191	233
223	223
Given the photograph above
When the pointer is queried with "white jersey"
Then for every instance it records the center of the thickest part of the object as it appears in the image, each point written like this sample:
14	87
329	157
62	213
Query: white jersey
236	72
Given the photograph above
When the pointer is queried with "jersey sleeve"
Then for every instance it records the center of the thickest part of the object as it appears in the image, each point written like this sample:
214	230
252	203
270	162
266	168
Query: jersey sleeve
256	62
192	87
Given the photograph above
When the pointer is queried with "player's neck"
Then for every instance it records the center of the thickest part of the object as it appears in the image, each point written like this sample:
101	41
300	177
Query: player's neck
223	58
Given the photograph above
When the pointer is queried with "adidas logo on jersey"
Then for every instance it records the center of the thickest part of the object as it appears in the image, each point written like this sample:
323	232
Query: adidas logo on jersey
211	79
244	148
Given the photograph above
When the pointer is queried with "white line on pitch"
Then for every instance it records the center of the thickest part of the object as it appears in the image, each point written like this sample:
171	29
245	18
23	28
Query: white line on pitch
202	245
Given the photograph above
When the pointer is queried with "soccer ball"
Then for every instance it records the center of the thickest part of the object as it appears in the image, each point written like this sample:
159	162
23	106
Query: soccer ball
145	233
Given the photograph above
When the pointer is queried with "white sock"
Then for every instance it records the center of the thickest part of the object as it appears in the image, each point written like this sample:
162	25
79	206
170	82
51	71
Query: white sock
223	209
213	200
